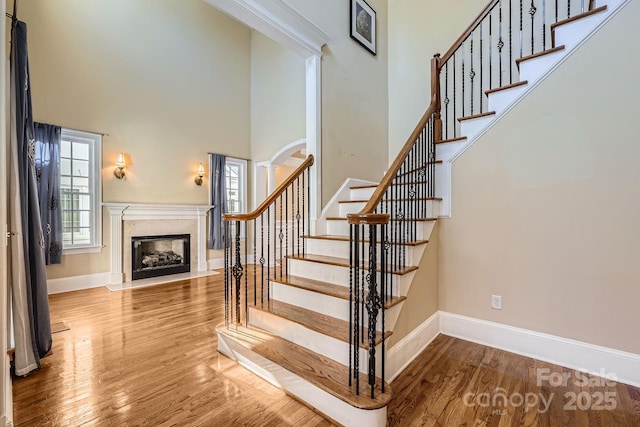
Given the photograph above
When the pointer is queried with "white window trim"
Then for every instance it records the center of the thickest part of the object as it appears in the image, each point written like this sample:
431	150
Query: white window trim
96	184
243	185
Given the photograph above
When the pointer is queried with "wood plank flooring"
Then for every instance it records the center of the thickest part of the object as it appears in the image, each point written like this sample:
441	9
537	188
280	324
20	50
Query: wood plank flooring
148	357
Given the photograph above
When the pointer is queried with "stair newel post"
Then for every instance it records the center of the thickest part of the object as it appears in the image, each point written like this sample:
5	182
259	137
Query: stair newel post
238	272
373	303
227	269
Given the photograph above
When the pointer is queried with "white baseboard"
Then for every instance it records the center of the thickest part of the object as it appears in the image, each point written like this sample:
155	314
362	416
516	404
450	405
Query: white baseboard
408	348
76	283
4	422
565	352
214	264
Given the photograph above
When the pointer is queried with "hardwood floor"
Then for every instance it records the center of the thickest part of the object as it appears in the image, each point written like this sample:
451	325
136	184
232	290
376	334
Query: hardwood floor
148	357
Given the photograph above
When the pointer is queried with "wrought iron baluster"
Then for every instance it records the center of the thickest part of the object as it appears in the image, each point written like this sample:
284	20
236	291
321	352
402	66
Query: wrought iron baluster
383	290
351	274
480	85
532	12
464	77
446	100
490	50
373	304
227	268
262	259
246	276
363	281
544	25
521	41
298	212
238	271
286	230
472	72
255	270
510	42
280	237
269	254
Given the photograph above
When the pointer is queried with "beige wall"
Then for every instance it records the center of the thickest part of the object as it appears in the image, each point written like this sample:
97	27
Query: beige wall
168	81
277	97
354	96
418	29
422	299
545	206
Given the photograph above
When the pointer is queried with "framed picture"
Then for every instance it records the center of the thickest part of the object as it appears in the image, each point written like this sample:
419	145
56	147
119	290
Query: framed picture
363	24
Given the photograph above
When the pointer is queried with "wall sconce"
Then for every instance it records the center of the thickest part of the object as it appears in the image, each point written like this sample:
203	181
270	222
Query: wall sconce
198	179
120	164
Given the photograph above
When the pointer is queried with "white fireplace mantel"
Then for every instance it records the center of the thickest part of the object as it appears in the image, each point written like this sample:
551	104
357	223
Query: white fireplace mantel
120	212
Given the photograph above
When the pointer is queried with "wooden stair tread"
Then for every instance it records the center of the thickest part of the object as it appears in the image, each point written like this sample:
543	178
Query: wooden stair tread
324	373
346	239
445	141
359	187
579	16
321	323
343	262
539	54
477	116
394	200
501	88
325	288
341	218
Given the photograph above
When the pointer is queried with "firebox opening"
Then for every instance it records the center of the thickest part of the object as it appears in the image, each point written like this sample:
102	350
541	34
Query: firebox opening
153	256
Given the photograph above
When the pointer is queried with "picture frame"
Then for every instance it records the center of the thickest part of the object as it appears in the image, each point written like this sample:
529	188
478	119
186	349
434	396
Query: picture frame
363	25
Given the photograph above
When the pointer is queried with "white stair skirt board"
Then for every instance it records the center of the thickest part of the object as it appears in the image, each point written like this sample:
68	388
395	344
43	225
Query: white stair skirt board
581	356
328	305
353	207
533	69
408	348
470	128
500	100
341	248
324	402
343	193
570	34
317	342
361	193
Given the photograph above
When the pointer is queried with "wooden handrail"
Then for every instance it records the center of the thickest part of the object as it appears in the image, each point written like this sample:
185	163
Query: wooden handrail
381	189
273	196
468	31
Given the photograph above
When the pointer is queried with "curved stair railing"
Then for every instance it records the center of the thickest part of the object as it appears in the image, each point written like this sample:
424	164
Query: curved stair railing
483	58
258	243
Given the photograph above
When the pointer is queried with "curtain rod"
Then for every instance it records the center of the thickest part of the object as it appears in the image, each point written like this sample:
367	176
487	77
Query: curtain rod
233	157
84	130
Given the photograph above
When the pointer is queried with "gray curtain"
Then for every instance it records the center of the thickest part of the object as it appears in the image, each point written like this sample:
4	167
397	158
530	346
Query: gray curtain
30	303
218	197
48	179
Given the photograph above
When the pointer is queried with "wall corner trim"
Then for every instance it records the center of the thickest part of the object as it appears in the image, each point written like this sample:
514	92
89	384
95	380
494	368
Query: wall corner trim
561	351
278	21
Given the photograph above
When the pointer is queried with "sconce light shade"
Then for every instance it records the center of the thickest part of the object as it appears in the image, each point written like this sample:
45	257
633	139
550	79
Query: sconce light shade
198	179
120	164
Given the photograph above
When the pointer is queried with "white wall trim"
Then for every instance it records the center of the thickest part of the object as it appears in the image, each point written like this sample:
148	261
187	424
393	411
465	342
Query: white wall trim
408	348
278	21
549	348
76	283
215	264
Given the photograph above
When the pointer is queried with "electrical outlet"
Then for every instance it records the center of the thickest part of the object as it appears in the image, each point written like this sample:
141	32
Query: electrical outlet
496	302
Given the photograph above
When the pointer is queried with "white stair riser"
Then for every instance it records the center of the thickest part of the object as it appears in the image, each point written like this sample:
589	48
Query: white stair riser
361	193
533	69
331	306
340	275
500	100
322	401
572	33
347	208
423	228
472	127
341	249
327	346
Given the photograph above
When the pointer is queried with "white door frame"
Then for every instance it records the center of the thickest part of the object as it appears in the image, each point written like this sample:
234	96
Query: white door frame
284	25
6	402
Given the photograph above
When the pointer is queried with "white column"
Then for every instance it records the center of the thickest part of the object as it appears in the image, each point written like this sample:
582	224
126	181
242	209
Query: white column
117	277
314	131
202	239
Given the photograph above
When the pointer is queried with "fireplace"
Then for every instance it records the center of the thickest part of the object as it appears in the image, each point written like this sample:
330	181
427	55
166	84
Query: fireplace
153	256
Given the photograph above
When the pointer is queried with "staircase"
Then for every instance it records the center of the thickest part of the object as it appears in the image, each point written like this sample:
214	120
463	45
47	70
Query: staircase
311	313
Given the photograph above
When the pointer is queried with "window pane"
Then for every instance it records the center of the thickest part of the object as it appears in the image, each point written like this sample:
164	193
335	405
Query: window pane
65	182
85	219
65	166
65	149
84	202
80	168
81	150
81	185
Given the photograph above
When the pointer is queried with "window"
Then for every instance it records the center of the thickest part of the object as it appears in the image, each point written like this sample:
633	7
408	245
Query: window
80	191
236	177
